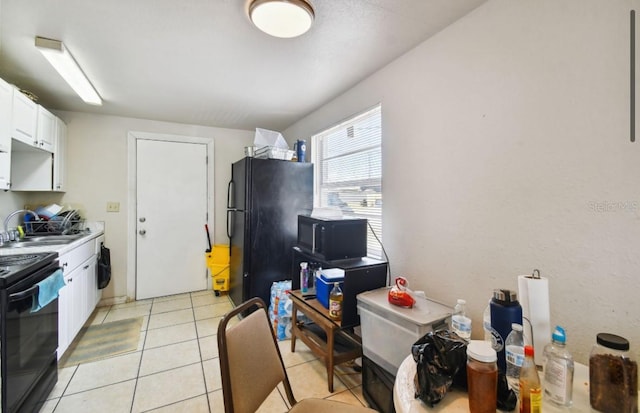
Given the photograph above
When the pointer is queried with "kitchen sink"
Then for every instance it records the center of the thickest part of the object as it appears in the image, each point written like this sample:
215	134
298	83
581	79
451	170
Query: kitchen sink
64	238
42	241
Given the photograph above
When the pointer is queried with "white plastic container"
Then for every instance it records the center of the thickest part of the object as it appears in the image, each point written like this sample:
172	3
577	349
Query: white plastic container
389	331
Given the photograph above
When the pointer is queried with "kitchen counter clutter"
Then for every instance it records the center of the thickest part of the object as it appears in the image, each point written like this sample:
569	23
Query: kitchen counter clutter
456	401
95	230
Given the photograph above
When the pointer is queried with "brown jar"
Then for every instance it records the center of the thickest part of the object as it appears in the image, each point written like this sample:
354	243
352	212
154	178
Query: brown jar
613	375
482	377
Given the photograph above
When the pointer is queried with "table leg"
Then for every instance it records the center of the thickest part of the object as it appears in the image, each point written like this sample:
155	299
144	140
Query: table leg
330	358
294	325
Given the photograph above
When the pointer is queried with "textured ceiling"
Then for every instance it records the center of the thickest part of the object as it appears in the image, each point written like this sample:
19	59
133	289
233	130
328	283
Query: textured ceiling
202	62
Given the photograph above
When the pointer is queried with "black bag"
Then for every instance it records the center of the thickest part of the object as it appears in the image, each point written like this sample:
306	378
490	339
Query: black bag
441	359
104	267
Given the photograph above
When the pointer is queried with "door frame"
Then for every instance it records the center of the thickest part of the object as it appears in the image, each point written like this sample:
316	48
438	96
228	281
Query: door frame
132	139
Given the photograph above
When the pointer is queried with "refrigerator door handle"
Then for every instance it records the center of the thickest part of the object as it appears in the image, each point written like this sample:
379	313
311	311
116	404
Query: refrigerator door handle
229	225
229	194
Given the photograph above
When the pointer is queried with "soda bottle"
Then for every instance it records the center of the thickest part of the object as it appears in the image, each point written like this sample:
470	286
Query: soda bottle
530	388
335	302
514	355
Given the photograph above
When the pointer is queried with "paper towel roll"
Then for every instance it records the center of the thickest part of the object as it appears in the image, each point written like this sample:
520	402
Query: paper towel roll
533	294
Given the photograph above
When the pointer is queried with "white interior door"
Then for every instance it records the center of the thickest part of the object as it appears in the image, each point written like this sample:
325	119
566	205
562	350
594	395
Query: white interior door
171	199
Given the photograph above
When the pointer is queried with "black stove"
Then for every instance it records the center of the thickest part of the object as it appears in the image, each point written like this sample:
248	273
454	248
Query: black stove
15	267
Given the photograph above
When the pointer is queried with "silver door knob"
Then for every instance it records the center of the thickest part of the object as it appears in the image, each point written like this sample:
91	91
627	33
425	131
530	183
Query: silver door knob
142	232
142	219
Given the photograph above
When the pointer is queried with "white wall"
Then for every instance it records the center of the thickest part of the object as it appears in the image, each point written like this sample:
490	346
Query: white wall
506	148
97	173
9	202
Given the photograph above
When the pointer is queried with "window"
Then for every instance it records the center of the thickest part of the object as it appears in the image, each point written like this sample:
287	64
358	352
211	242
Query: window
348	165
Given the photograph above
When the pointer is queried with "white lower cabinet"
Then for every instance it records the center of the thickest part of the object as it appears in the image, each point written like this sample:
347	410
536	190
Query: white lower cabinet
78	299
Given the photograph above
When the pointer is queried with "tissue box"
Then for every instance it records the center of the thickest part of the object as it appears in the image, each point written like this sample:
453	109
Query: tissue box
324	284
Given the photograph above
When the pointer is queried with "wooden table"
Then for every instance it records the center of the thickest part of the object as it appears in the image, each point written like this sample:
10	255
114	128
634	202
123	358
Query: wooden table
320	334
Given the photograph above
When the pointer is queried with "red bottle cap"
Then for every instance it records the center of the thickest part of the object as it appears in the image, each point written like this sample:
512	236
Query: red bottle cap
528	351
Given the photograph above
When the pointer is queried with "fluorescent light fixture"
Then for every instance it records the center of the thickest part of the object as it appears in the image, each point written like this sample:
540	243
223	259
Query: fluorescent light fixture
60	58
282	18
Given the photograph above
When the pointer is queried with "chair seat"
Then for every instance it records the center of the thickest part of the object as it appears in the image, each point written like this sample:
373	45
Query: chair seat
324	406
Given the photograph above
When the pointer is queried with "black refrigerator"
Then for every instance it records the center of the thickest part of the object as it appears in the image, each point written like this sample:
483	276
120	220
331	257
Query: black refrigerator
264	199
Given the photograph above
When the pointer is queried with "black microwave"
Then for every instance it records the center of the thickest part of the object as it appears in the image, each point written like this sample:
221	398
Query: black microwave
333	239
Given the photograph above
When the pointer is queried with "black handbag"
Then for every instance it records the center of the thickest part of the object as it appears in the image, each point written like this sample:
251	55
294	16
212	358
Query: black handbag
104	267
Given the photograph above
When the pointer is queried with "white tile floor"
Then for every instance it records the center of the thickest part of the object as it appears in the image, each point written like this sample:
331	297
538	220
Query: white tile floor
176	368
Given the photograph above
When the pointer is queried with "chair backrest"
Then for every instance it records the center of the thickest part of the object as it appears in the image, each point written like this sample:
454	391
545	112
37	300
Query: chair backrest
250	362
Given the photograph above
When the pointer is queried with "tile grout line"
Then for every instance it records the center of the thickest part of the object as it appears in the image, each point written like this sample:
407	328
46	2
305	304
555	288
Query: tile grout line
204	376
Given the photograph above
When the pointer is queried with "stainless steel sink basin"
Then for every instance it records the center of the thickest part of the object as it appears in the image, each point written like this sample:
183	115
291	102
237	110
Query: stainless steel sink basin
64	238
42	241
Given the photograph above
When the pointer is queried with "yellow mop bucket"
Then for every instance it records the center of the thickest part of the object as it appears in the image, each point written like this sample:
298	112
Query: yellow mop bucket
218	264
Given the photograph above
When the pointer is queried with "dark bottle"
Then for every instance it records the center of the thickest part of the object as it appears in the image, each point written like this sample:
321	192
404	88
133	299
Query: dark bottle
505	310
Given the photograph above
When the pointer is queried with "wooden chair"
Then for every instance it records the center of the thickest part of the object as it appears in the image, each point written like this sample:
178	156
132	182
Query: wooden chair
251	365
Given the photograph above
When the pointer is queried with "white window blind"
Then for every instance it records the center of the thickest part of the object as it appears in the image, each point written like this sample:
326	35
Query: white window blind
348	165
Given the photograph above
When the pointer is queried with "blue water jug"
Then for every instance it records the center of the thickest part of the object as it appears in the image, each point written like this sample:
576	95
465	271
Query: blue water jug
505	310
301	150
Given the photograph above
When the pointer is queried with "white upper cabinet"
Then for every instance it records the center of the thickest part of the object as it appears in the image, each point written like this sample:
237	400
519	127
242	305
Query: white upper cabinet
46	130
59	157
6	97
6	104
24	119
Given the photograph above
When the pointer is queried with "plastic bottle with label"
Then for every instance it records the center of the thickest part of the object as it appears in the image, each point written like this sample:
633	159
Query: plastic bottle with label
460	323
530	389
304	277
486	322
558	370
335	302
514	355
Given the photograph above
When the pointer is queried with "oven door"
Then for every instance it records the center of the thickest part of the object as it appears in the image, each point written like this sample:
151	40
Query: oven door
31	341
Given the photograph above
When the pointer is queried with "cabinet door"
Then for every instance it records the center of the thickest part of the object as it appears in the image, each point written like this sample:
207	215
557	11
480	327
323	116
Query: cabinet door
5	170
60	157
46	130
24	118
6	103
65	306
91	285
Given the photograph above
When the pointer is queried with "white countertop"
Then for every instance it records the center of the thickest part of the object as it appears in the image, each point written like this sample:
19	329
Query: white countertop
95	230
456	401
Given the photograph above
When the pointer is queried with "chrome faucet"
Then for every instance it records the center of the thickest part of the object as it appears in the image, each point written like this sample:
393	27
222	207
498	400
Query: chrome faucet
13	214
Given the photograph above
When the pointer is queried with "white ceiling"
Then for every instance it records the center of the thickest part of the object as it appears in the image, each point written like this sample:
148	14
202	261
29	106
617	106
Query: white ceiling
202	62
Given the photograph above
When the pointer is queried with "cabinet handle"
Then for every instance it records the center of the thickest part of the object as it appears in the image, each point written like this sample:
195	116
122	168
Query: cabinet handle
65	264
85	267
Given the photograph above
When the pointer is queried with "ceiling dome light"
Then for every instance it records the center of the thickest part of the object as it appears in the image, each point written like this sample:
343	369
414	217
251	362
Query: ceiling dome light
282	18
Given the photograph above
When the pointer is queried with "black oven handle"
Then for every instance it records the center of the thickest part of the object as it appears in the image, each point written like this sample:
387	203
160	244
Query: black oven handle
24	294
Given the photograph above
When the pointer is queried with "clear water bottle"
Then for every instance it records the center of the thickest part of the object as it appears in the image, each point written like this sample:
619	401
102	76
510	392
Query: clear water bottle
514	355
460	323
558	370
486	322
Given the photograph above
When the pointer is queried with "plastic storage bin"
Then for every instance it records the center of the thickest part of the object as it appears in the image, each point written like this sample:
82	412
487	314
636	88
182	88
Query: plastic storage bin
389	331
218	264
324	284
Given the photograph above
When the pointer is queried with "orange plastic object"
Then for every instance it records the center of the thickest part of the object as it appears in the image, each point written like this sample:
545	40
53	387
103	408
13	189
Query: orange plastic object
399	294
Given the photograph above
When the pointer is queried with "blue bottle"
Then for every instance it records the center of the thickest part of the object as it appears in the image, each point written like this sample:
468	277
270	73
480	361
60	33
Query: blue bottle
505	310
301	150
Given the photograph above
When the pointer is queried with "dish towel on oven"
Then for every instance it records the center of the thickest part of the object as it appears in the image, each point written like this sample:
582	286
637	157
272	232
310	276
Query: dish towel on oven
48	290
